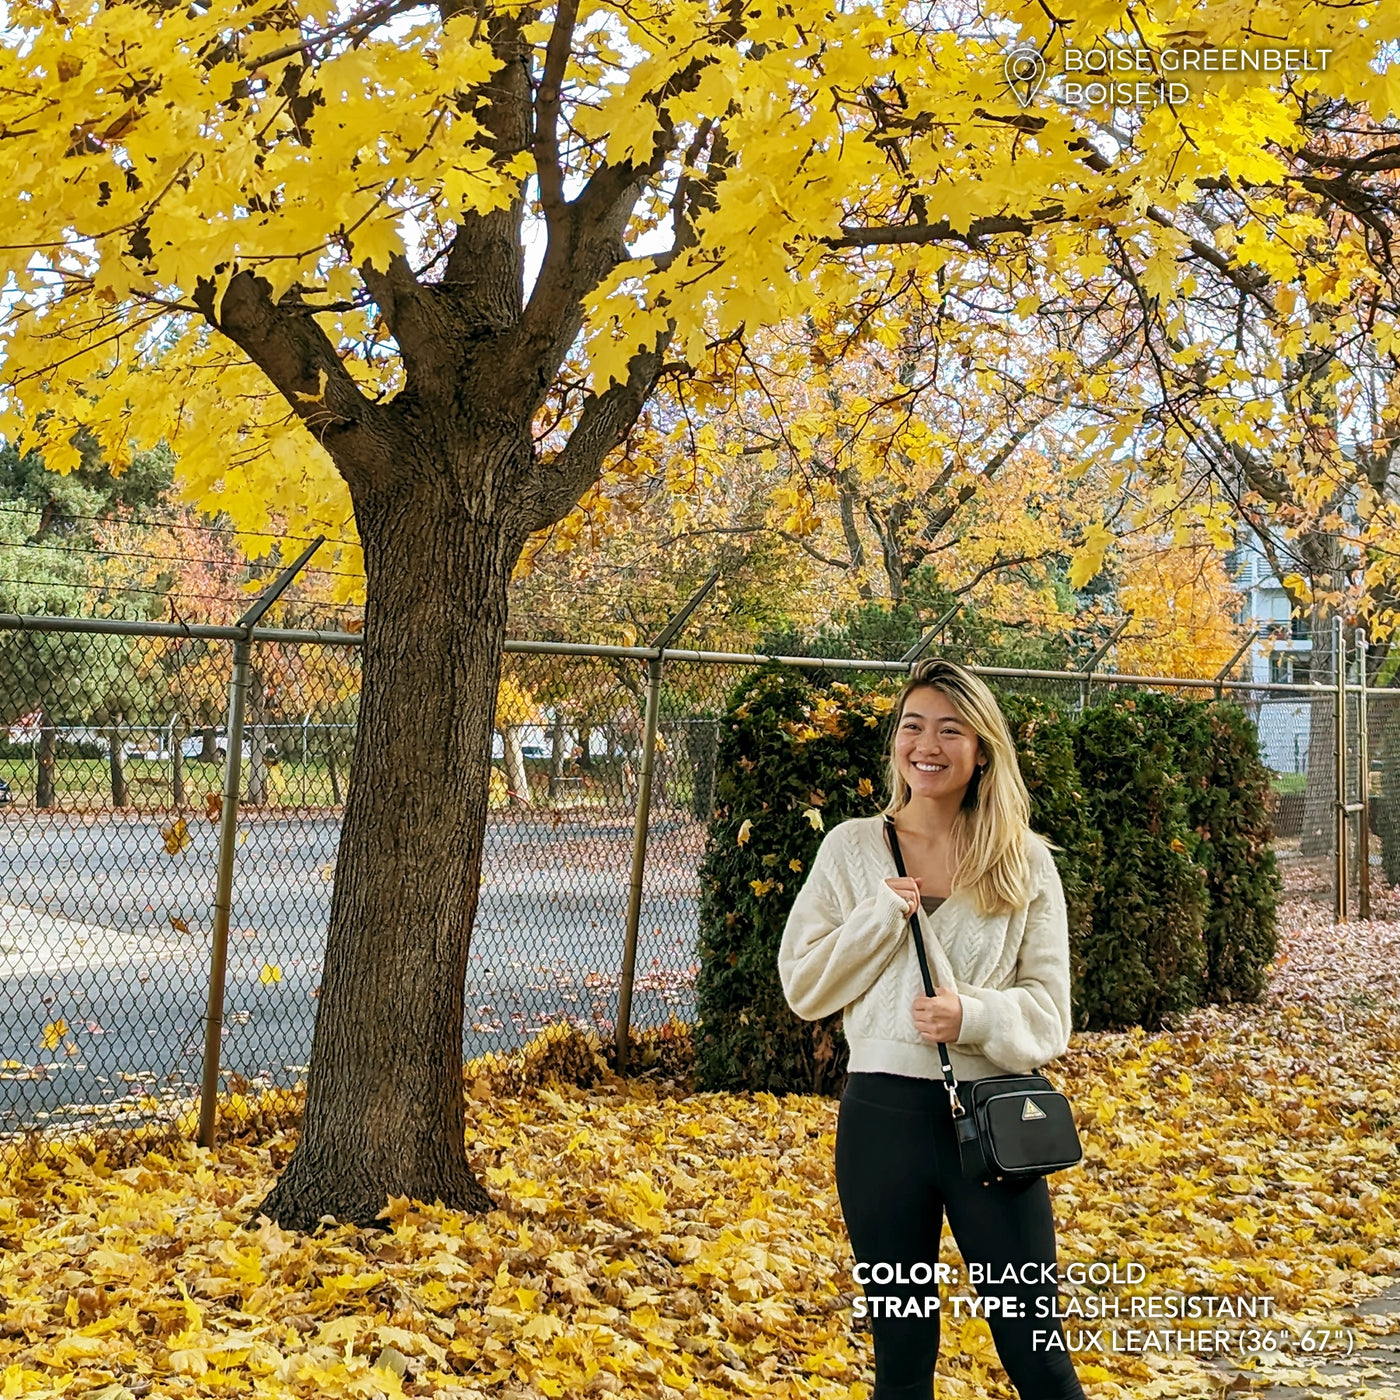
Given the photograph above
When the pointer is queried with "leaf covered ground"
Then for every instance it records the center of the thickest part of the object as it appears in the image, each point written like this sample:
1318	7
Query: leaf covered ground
655	1243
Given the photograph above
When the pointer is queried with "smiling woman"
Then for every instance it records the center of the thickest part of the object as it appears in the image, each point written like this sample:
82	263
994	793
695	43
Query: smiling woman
998	943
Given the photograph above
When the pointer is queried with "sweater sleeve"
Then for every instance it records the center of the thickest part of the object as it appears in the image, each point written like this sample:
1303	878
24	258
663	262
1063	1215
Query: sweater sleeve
827	960
1027	1025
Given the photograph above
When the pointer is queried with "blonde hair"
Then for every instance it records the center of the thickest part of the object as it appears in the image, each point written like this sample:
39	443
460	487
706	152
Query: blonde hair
991	826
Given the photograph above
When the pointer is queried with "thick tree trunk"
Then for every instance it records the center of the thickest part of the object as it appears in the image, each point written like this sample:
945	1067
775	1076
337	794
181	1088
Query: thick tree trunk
1320	554
385	1111
702	741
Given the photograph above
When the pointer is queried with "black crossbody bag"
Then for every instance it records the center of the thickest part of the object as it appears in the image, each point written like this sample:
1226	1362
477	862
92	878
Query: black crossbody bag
1015	1126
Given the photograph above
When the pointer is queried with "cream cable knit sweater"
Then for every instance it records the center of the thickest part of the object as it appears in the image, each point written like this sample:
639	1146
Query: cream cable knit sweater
847	945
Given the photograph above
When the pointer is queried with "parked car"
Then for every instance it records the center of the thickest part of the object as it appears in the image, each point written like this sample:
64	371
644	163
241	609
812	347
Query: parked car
533	751
5	794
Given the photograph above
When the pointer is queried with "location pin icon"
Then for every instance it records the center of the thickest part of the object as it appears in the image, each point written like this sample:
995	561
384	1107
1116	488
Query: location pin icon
1025	71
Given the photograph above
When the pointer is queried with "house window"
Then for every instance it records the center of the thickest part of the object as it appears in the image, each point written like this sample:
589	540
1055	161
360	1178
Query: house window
1287	668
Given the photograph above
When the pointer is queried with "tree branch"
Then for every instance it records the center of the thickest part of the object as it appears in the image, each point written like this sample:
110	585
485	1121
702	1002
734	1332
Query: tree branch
546	112
296	355
557	482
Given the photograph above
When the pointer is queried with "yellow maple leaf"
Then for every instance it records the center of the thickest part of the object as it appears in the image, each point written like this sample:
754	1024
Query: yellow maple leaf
270	974
1088	558
176	836
54	1032
744	832
814	817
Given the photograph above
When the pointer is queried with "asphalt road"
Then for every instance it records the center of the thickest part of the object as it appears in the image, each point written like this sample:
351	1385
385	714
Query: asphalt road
88	934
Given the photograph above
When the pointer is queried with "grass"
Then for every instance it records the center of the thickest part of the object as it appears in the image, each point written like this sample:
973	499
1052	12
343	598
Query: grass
150	783
87	783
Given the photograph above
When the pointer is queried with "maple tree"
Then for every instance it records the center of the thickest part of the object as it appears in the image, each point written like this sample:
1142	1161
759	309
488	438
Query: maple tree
290	238
1182	604
1267	410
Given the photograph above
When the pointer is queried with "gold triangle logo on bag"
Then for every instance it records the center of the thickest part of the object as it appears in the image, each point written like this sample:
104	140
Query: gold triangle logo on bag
1031	1111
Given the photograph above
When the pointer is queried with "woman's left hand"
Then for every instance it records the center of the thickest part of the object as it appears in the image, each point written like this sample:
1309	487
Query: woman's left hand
938	1017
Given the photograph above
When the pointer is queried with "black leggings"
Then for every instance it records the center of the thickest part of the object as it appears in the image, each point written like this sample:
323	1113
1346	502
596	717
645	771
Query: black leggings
896	1170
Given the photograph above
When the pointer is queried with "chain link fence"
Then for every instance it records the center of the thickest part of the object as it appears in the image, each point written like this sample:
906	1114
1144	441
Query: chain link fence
113	745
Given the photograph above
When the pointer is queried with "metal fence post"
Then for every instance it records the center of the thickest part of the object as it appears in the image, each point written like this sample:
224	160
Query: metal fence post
228	824
1339	663
1229	666
641	826
1086	675
929	637
1363	764
639	855
223	894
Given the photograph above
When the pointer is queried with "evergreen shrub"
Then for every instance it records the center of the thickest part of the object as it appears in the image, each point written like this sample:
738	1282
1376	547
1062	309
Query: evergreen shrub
1044	738
792	762
1226	790
1388	803
1144	956
1157	806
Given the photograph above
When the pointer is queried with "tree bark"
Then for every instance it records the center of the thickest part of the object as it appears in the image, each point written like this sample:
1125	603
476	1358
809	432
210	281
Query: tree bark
517	780
114	764
177	765
1320	792
661	765
558	755
1320	554
385	1110
46	758
702	740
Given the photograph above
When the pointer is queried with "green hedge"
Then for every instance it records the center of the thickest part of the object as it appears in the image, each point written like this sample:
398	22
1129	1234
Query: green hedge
1044	738
785	752
1226	784
1388	817
1145	954
1157	804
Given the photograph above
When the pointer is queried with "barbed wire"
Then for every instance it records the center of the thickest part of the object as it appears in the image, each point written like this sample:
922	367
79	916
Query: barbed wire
102	552
112	519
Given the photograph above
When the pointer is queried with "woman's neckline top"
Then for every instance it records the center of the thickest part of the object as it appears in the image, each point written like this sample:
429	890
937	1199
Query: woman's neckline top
847	947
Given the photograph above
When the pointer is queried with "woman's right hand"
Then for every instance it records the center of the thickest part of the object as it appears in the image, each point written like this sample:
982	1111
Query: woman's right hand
907	888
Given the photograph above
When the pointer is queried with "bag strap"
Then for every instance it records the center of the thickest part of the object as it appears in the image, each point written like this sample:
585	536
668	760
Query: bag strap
949	1078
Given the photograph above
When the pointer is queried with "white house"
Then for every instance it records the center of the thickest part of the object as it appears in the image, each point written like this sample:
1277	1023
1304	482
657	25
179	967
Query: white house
1282	653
